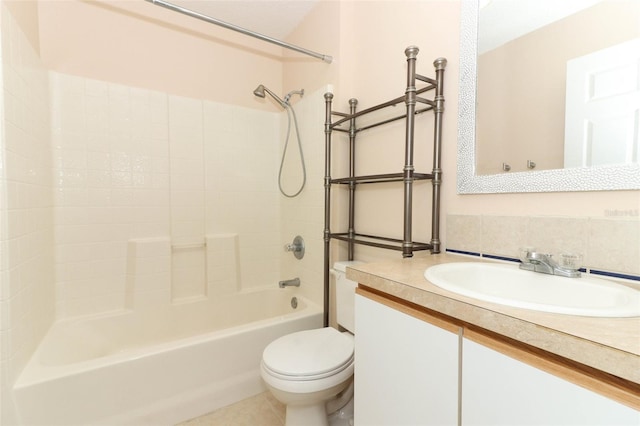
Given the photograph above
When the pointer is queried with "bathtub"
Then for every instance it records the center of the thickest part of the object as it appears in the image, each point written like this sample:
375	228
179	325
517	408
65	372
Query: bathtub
159	366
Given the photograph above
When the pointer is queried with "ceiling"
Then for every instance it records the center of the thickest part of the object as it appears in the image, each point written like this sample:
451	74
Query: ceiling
273	18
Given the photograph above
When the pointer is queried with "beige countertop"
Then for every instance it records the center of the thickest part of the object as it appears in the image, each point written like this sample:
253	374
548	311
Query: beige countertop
611	345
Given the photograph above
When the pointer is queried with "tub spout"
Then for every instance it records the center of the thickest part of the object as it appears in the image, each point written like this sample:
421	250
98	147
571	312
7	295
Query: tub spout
288	283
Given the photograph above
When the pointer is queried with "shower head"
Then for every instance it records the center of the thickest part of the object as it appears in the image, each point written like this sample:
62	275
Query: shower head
260	92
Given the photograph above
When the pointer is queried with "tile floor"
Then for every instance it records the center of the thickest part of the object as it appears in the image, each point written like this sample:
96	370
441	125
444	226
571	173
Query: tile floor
260	410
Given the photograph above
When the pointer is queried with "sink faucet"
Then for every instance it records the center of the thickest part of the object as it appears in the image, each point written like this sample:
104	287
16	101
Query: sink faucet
543	263
295	282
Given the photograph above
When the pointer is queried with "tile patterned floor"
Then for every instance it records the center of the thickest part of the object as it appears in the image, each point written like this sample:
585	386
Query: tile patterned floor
260	410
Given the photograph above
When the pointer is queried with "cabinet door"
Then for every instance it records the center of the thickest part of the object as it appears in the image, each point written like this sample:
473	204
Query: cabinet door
500	390
406	369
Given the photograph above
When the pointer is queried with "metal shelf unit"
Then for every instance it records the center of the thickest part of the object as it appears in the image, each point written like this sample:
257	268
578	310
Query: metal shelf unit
408	175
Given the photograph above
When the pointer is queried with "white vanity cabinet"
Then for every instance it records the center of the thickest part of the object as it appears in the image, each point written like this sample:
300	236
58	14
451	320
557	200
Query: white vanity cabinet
415	367
406	368
500	390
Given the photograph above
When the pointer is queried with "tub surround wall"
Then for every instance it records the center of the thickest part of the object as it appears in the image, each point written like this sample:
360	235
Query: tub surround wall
26	229
135	164
304	215
607	244
111	169
187	195
152	279
223	264
148	280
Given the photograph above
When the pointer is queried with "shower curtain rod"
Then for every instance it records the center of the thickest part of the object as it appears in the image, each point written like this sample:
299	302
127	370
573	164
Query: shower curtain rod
326	58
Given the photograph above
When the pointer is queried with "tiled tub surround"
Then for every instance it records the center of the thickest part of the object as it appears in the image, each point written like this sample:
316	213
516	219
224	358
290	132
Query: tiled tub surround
209	269
610	345
26	199
161	204
159	364
133	164
136	199
608	245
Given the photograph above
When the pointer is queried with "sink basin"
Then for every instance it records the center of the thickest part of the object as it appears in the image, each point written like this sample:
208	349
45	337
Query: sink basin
510	286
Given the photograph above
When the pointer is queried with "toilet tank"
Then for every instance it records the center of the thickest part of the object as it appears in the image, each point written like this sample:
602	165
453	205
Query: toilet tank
345	295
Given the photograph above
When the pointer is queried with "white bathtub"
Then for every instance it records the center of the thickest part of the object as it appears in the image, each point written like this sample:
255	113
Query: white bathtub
160	366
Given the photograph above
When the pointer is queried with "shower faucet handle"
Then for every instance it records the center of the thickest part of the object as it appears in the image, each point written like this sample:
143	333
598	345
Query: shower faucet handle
297	247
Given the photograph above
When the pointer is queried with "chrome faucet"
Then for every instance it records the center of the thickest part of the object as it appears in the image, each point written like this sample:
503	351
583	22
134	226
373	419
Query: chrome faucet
289	283
543	263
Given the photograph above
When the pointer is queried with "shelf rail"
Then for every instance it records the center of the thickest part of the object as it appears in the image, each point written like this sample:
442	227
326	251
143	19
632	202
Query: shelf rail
408	175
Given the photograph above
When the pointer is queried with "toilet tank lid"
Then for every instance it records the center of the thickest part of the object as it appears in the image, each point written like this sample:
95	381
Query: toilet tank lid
341	265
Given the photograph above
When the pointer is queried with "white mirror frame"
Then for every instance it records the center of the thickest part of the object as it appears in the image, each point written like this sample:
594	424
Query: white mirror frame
600	178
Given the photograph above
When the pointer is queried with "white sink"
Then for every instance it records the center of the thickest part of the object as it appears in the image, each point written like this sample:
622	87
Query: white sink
508	285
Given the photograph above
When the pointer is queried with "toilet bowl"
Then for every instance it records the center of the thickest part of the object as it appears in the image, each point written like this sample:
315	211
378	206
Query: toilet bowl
311	371
305	370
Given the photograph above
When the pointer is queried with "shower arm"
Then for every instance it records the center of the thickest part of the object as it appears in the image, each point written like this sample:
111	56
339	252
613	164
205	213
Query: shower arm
326	58
293	92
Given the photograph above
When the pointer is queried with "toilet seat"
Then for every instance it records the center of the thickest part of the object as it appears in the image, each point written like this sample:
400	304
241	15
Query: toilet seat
309	355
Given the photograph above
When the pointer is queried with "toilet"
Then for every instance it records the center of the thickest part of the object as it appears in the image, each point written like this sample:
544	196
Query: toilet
311	371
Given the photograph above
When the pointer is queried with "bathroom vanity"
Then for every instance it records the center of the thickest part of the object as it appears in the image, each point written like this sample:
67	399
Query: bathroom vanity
428	356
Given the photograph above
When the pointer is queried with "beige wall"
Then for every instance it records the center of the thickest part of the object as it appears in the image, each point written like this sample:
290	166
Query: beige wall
371	65
160	50
137	44
26	15
319	32
366	39
523	82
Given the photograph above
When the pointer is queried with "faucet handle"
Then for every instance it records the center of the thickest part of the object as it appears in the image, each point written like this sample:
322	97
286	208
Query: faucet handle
571	261
524	253
297	247
535	256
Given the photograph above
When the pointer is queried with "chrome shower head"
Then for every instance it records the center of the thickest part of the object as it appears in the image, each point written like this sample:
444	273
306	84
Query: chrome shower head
260	92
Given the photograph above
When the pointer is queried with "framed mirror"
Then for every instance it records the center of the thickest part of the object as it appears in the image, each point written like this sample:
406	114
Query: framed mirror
600	176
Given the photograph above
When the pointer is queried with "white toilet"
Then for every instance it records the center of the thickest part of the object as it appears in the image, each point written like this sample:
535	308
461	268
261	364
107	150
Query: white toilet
311	371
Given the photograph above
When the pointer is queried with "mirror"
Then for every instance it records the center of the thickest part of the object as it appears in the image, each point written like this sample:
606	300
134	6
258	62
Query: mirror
472	178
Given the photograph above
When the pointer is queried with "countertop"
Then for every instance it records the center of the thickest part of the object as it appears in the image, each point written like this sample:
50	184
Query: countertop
611	345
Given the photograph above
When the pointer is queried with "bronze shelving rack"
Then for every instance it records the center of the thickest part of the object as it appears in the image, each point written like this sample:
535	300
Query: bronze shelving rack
411	99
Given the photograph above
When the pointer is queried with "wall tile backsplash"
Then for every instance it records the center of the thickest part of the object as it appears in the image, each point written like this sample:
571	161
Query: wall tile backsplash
501	235
613	243
607	244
